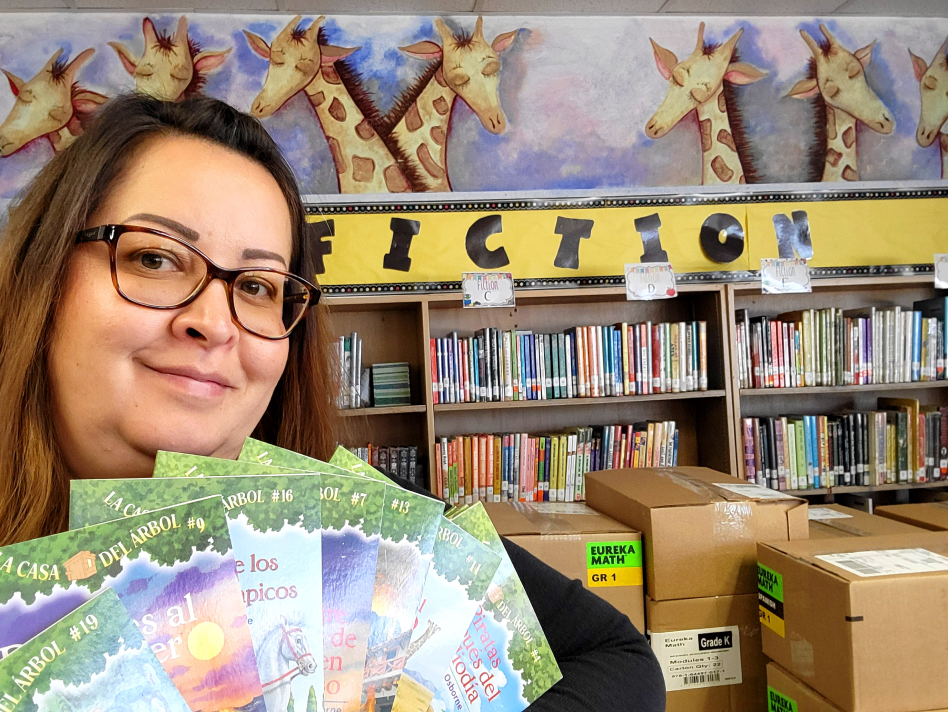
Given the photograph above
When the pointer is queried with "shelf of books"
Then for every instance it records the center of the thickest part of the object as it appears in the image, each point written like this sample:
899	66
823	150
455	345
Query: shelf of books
841	390
519	403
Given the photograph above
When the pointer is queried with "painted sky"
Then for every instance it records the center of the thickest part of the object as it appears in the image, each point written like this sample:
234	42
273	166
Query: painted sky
577	92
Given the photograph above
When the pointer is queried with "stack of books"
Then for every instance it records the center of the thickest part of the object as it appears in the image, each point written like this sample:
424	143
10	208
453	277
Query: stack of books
397	461
274	582
520	467
349	355
835	347
582	362
390	384
900	442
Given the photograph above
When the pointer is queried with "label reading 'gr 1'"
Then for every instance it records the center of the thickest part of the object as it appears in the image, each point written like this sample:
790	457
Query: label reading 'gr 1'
770	599
779	702
614	563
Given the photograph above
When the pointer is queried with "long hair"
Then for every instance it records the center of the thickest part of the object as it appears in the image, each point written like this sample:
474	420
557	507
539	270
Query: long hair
37	244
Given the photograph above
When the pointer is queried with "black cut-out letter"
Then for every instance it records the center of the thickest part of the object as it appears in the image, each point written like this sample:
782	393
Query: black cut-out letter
318	246
710	236
402	233
572	231
476	243
647	228
793	236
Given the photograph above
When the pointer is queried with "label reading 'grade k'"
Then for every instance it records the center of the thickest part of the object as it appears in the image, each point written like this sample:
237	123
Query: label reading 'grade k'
614	563
707	657
779	702
770	599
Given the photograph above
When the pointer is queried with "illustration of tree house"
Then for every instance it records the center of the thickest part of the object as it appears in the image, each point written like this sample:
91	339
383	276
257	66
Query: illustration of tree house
384	665
81	566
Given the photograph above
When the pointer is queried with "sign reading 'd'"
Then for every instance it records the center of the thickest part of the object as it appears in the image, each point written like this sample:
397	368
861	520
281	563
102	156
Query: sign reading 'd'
652	280
784	276
487	289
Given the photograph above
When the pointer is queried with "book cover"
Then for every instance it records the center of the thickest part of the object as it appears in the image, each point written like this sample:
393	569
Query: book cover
274	525
174	572
504	662
92	659
182	464
460	574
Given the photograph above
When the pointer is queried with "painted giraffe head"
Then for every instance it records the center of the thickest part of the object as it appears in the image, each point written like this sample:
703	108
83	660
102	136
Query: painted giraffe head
172	65
471	67
295	58
696	79
47	103
933	84
841	79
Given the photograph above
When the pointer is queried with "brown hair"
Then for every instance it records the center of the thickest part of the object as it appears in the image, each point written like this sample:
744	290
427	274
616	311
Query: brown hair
34	252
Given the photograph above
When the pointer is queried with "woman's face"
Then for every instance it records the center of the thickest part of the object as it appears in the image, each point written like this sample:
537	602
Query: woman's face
128	380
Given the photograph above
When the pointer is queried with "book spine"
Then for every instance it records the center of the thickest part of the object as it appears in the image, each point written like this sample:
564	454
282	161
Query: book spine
508	368
628	360
675	358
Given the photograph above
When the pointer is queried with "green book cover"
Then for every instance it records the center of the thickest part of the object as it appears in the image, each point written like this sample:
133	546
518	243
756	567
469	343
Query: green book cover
274	524
263	453
460	574
92	659
505	657
174	571
182	464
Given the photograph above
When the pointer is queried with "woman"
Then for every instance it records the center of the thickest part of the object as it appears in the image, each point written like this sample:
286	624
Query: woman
151	302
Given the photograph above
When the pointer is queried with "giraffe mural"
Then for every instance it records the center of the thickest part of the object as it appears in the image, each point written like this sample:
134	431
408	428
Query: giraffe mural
51	104
418	126
933	85
703	83
837	81
172	67
298	62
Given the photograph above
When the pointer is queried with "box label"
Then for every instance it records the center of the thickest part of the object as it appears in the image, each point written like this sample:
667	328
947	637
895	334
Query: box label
614	563
779	702
823	513
752	491
708	657
770	599
887	562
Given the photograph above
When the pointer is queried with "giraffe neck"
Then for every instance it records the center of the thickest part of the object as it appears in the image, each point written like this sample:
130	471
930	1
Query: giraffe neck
720	163
62	139
363	162
422	133
943	143
841	161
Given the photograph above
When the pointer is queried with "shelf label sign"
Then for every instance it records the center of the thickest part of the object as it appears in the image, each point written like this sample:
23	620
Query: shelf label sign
650	280
487	289
941	271
784	276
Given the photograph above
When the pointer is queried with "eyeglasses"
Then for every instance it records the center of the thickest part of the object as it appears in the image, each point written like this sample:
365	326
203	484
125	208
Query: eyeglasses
160	271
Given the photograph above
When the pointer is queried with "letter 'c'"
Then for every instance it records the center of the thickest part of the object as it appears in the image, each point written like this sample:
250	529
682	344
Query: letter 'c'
476	243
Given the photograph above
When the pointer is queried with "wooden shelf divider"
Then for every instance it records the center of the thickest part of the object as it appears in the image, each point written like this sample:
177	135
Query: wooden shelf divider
385	410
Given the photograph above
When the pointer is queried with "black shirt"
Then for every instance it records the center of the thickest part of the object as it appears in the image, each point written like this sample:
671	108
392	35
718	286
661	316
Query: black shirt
607	664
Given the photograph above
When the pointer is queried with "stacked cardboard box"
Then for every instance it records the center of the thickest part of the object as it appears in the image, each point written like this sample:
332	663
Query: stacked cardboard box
857	620
833	521
581	544
700	529
928	515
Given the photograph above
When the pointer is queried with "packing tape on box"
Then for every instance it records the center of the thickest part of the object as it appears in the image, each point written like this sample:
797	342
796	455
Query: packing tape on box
731	521
549	522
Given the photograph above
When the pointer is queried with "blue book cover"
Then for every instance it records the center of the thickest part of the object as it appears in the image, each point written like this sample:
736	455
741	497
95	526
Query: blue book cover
617	350
808	448
274	524
815	450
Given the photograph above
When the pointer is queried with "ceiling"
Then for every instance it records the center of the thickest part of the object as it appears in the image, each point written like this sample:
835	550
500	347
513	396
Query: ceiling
932	8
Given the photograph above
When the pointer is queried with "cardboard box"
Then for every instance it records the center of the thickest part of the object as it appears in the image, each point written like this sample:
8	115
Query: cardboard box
836	618
834	521
929	515
785	694
583	544
700	527
702	644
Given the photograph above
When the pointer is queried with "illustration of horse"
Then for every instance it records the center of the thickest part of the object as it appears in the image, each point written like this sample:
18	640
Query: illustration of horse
283	654
933	85
51	104
418	127
172	67
836	81
300	60
704	83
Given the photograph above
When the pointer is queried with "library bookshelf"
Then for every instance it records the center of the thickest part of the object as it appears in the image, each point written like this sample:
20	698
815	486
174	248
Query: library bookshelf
844	293
397	327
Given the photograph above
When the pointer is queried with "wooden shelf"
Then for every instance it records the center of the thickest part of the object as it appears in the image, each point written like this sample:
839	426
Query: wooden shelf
491	405
385	410
823	390
856	489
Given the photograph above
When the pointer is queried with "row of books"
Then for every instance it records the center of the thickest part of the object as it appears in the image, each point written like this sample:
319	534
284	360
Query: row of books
274	582
901	442
837	347
520	467
581	362
399	461
349	355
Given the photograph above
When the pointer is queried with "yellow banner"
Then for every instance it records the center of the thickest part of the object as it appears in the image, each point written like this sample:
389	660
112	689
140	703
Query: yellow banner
381	246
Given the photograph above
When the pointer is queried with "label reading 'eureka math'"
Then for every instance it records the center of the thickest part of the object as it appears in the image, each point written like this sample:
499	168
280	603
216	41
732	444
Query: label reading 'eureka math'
779	702
770	599
614	563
